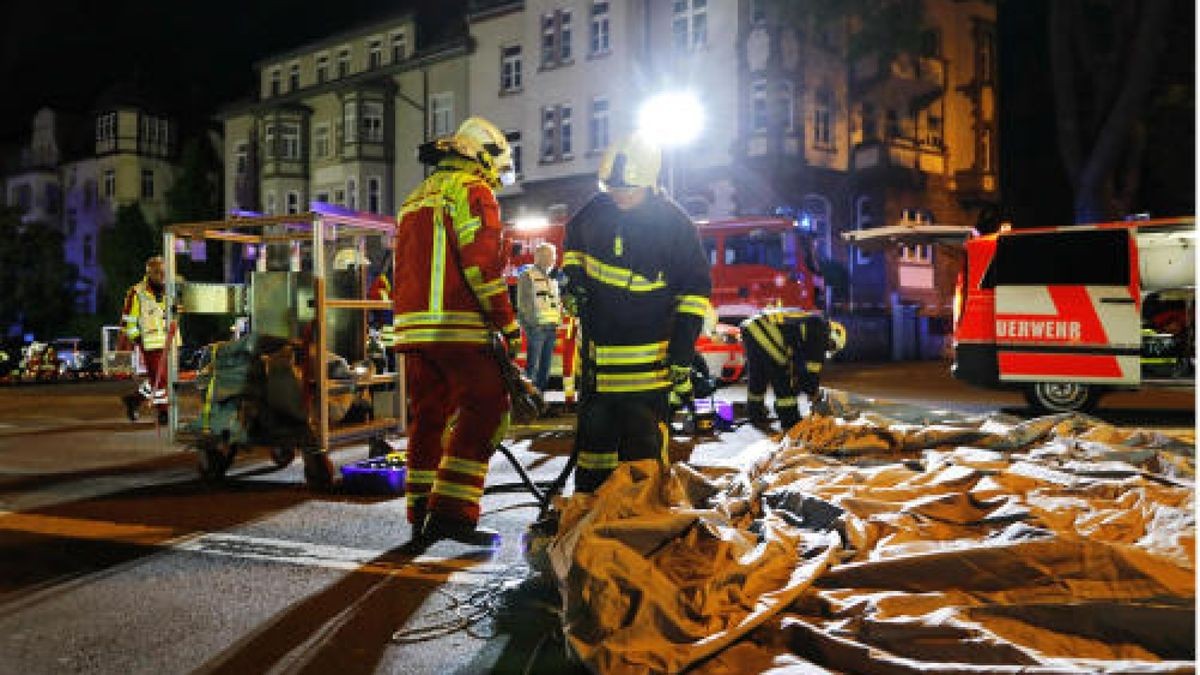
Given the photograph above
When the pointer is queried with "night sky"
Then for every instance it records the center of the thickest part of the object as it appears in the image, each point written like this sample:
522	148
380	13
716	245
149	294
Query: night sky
194	57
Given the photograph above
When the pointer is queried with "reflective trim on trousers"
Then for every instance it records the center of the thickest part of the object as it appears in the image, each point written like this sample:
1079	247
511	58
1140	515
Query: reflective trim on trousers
597	461
463	466
628	382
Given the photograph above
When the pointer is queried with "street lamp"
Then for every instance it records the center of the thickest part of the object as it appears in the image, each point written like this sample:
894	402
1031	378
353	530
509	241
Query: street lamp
672	120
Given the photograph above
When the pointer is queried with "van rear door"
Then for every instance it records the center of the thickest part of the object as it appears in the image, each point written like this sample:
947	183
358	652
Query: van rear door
1067	306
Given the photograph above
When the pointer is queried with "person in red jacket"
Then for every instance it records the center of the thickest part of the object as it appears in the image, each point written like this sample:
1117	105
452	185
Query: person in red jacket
449	301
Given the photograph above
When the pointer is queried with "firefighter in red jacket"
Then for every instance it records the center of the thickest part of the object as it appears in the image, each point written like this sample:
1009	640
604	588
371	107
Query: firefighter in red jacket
638	279
786	349
459	405
144	325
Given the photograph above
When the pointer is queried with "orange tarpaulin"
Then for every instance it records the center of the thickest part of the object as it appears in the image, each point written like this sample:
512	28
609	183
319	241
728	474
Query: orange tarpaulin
1055	545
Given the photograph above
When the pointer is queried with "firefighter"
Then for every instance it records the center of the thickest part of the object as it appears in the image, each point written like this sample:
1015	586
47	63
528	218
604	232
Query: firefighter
447	305
638	279
144	320
786	349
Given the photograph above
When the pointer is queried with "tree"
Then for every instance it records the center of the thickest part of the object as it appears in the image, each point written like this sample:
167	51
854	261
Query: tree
194	197
124	249
37	285
1103	57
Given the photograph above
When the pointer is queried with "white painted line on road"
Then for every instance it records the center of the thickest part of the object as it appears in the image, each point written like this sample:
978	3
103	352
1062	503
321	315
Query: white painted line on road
424	566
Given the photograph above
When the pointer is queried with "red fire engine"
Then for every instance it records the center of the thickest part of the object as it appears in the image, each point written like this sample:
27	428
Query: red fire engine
757	262
1067	313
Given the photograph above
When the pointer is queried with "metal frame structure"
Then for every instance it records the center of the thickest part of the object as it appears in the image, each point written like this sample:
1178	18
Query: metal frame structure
319	228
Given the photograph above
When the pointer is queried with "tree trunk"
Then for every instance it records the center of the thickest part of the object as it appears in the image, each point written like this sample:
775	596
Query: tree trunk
1093	163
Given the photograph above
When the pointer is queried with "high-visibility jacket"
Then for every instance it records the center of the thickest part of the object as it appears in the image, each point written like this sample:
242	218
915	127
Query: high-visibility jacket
793	339
538	302
145	316
645	286
454	209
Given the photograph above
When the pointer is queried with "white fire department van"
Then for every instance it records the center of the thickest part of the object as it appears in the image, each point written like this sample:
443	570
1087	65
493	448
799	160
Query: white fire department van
1068	313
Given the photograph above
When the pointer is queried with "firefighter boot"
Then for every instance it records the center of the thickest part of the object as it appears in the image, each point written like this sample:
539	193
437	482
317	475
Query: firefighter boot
756	413
132	402
438	526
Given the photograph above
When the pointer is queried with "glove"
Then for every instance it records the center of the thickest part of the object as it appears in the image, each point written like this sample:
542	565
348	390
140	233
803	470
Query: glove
681	385
512	340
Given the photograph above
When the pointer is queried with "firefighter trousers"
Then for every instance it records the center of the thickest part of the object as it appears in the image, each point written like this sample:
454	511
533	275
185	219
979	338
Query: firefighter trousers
762	370
459	414
615	428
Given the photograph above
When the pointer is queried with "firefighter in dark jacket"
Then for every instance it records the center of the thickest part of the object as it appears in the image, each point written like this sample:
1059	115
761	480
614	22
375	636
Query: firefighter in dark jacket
638	279
786	349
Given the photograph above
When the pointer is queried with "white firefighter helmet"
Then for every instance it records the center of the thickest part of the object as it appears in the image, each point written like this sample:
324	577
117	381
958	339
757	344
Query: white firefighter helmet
479	140
349	257
837	337
631	162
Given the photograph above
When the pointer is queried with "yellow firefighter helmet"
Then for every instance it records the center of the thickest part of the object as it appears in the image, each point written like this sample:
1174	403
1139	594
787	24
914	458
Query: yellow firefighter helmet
631	162
837	337
479	140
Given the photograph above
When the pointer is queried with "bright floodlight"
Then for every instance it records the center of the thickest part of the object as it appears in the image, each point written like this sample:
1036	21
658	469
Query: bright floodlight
671	118
531	222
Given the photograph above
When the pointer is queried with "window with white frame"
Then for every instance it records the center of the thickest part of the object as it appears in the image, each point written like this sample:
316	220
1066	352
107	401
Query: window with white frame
294	77
339	196
510	68
322	68
272	144
920	254
375	53
598	125
862	221
399	47
514	145
556	133
293	202
289	139
758	11
556	38
351	193
758	105
441	113
350	122
823	118
600	27
276	82
374	194
689	24
106	128
787	105
372	121
321	141
147	184
343	62
272	205
110	183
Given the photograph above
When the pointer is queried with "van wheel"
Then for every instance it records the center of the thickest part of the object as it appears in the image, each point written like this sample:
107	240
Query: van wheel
1057	397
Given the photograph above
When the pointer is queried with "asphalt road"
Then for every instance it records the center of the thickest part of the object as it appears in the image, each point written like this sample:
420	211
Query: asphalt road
114	558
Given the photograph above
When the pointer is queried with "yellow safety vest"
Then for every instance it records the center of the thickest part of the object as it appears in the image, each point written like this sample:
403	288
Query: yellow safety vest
545	297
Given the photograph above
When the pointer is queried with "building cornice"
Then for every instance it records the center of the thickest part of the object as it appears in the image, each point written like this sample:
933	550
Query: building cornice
446	51
362	30
495	11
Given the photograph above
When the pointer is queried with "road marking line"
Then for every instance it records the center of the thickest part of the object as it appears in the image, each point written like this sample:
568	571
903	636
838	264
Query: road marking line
424	567
84	528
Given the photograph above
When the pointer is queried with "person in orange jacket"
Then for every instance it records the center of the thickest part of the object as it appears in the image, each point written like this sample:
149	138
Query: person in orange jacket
449	302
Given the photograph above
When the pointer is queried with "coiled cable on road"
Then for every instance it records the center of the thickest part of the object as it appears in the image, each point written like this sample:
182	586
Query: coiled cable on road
464	613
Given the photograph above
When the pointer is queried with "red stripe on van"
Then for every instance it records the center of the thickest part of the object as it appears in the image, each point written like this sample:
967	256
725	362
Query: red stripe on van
1070	365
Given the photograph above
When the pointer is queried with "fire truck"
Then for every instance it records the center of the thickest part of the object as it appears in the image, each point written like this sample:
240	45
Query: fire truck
757	262
1068	313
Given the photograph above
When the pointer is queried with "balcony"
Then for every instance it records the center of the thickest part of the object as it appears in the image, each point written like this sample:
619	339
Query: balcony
918	80
899	152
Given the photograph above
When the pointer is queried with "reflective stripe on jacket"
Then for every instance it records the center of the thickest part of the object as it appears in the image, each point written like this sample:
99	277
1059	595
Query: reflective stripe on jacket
145	316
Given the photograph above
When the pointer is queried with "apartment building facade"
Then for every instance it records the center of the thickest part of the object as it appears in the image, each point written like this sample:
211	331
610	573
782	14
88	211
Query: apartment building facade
794	124
340	120
77	170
